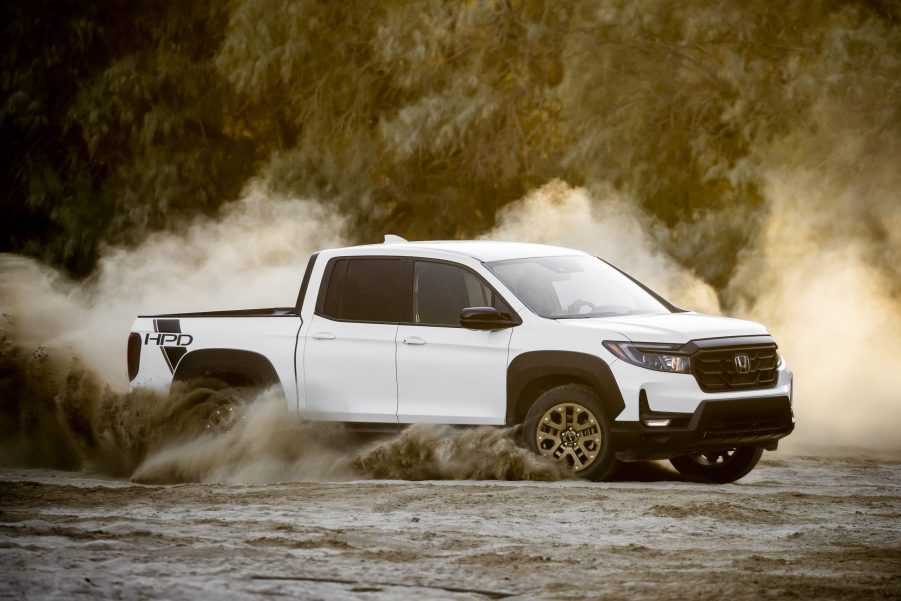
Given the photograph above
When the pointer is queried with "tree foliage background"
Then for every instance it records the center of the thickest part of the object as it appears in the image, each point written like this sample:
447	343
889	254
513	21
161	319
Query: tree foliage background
424	118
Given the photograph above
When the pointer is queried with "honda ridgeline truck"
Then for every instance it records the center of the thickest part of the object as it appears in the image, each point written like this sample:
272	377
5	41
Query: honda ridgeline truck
594	365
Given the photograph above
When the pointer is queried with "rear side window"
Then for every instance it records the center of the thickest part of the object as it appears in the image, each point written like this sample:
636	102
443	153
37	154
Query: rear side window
442	291
365	289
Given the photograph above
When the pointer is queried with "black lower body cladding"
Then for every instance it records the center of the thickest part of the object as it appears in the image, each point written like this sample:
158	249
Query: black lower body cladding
715	424
534	372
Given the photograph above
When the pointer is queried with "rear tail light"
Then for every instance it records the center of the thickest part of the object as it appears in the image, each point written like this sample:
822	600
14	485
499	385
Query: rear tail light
134	355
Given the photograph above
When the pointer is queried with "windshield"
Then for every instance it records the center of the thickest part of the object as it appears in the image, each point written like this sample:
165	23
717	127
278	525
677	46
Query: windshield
574	287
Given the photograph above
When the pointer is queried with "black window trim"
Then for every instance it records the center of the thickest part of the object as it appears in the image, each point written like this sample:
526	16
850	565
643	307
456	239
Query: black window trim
410	260
305	283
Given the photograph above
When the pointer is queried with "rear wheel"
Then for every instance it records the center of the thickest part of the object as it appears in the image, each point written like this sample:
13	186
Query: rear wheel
211	404
720	467
568	424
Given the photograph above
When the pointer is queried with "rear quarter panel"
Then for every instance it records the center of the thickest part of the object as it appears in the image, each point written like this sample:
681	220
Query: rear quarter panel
165	341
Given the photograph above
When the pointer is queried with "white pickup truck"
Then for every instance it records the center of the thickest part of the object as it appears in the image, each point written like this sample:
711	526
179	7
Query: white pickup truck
593	364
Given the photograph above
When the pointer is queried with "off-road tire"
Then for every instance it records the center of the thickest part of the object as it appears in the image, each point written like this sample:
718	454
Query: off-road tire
724	470
209	405
573	427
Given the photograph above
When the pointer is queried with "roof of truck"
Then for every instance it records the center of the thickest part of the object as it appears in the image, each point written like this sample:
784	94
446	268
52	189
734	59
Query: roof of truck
481	250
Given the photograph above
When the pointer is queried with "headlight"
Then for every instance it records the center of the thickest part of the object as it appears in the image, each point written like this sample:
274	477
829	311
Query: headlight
659	357
779	361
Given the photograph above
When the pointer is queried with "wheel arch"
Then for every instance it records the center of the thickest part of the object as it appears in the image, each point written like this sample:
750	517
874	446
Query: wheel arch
232	366
531	374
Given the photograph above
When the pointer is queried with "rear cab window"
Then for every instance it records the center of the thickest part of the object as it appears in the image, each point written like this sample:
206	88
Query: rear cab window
364	289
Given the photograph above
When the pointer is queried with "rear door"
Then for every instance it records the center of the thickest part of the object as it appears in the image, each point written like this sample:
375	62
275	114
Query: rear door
446	373
349	349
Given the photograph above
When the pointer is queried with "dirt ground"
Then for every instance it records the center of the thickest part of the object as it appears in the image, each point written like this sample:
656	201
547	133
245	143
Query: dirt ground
796	527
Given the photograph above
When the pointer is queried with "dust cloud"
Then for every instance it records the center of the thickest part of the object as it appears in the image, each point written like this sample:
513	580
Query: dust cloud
606	225
265	442
257	443
62	361
824	275
54	413
254	254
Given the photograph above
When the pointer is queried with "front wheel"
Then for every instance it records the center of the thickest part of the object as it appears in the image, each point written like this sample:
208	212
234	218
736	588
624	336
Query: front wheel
568	424
720	467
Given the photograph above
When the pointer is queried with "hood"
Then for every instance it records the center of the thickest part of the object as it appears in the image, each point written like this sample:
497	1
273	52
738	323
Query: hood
670	327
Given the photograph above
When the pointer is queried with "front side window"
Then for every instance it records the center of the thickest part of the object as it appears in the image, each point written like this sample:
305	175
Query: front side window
441	291
574	287
364	289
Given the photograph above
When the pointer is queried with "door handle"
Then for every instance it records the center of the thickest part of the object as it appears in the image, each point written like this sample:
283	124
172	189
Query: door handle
323	336
414	341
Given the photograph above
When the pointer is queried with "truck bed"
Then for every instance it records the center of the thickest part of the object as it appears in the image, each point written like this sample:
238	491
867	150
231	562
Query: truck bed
267	312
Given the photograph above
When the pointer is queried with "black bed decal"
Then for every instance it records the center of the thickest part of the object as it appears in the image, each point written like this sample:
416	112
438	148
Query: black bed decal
169	331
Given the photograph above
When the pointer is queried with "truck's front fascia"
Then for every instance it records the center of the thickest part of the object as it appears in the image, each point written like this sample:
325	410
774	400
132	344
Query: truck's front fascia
668	414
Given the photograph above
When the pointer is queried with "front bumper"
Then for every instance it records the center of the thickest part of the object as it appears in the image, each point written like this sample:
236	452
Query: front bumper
679	392
715	424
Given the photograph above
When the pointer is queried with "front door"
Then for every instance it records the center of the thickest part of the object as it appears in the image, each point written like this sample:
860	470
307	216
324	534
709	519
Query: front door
446	373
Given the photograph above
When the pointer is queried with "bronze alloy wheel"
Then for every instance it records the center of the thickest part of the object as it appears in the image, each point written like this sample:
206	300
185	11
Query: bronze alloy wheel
569	432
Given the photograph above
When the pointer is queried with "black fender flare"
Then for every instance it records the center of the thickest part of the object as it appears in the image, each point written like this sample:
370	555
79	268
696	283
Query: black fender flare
534	372
247	366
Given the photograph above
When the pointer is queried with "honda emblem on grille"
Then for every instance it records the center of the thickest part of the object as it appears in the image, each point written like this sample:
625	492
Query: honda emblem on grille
742	363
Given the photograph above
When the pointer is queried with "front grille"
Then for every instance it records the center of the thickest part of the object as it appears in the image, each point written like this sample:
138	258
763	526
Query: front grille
716	371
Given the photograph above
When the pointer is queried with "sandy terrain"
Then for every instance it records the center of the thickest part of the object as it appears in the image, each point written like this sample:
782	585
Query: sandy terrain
796	527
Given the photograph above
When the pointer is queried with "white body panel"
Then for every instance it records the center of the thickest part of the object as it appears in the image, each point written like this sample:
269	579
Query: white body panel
669	327
365	372
679	393
451	375
272	337
350	371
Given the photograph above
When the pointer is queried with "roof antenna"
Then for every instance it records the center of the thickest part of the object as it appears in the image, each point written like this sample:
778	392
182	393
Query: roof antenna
392	239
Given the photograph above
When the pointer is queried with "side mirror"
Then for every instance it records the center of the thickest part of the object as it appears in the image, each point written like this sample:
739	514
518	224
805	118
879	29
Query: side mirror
484	318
